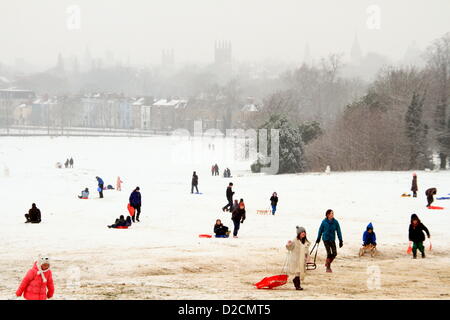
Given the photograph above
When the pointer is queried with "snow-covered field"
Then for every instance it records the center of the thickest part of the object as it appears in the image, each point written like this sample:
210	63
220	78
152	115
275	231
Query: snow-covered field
162	257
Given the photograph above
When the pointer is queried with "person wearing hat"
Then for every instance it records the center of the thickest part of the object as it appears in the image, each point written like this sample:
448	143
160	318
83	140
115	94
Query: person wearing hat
414	187
135	202
33	215
238	217
100	186
327	231
299	256
417	236
38	282
84	194
369	241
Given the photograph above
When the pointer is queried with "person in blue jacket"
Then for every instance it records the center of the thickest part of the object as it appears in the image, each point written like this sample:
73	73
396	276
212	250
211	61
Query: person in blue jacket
327	231
100	186
369	241
135	202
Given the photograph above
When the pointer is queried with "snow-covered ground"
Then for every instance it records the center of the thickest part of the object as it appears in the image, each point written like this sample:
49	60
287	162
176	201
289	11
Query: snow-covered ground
162	257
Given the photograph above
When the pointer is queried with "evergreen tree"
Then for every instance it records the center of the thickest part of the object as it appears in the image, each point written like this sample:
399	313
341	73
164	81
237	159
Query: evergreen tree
291	152
416	132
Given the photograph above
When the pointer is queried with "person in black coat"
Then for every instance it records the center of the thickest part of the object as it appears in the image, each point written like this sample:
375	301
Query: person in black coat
430	193
238	217
417	236
121	222
71	162
136	202
229	194
33	215
220	229
194	183
414	187
274	202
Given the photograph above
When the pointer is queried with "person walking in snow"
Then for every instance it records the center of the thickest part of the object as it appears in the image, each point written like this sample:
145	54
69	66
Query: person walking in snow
229	194
414	187
430	193
238	217
194	182
216	170
38	282
71	162
274	202
119	184
34	215
66	164
299	256
213	170
369	241
416	235
100	186
327	231
135	202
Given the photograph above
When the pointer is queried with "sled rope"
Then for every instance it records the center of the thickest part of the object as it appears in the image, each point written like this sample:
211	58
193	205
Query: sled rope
313	264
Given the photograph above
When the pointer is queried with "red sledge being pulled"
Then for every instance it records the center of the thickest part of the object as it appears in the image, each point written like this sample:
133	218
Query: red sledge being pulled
435	208
130	210
272	282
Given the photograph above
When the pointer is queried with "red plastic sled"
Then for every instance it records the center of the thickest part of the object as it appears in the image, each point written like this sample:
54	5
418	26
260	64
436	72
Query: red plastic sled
121	228
272	282
205	236
130	210
436	208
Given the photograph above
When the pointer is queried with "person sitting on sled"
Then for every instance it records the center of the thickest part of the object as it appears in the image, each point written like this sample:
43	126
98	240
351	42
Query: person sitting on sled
119	223
220	230
430	193
369	241
299	249
84	194
38	282
416	235
128	222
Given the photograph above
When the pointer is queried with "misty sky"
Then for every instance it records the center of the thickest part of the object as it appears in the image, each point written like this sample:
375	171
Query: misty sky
36	30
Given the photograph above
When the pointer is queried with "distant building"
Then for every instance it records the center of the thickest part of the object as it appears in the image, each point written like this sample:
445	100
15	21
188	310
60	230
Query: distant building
356	55
10	100
165	114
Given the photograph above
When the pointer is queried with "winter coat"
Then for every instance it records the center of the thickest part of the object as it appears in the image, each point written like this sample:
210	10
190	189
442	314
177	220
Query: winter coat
299	255
238	214
369	238
274	200
34	288
229	193
119	183
416	234
135	198
35	214
195	180
84	194
220	229
328	230
430	192
100	182
414	187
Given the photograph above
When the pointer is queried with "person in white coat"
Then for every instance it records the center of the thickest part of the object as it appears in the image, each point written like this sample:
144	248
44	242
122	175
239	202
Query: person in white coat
299	255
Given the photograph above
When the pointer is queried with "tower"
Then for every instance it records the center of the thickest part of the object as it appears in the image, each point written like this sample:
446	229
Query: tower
167	58
356	52
222	53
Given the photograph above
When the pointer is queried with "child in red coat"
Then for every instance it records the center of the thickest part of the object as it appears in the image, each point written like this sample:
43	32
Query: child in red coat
38	282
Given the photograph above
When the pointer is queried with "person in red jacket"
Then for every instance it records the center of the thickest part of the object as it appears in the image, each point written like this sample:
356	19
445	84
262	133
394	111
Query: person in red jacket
38	282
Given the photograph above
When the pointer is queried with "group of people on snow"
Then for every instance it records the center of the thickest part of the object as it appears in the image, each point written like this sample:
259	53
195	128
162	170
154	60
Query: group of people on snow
68	163
215	170
429	193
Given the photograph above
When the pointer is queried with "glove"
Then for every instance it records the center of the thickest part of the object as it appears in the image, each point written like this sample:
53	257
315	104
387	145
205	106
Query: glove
242	221
318	241
341	244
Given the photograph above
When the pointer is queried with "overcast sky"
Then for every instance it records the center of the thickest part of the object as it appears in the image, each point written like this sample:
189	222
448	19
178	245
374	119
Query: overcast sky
36	30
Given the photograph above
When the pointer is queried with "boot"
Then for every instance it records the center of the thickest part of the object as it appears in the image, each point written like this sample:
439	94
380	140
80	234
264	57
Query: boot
423	254
327	265
414	255
296	281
